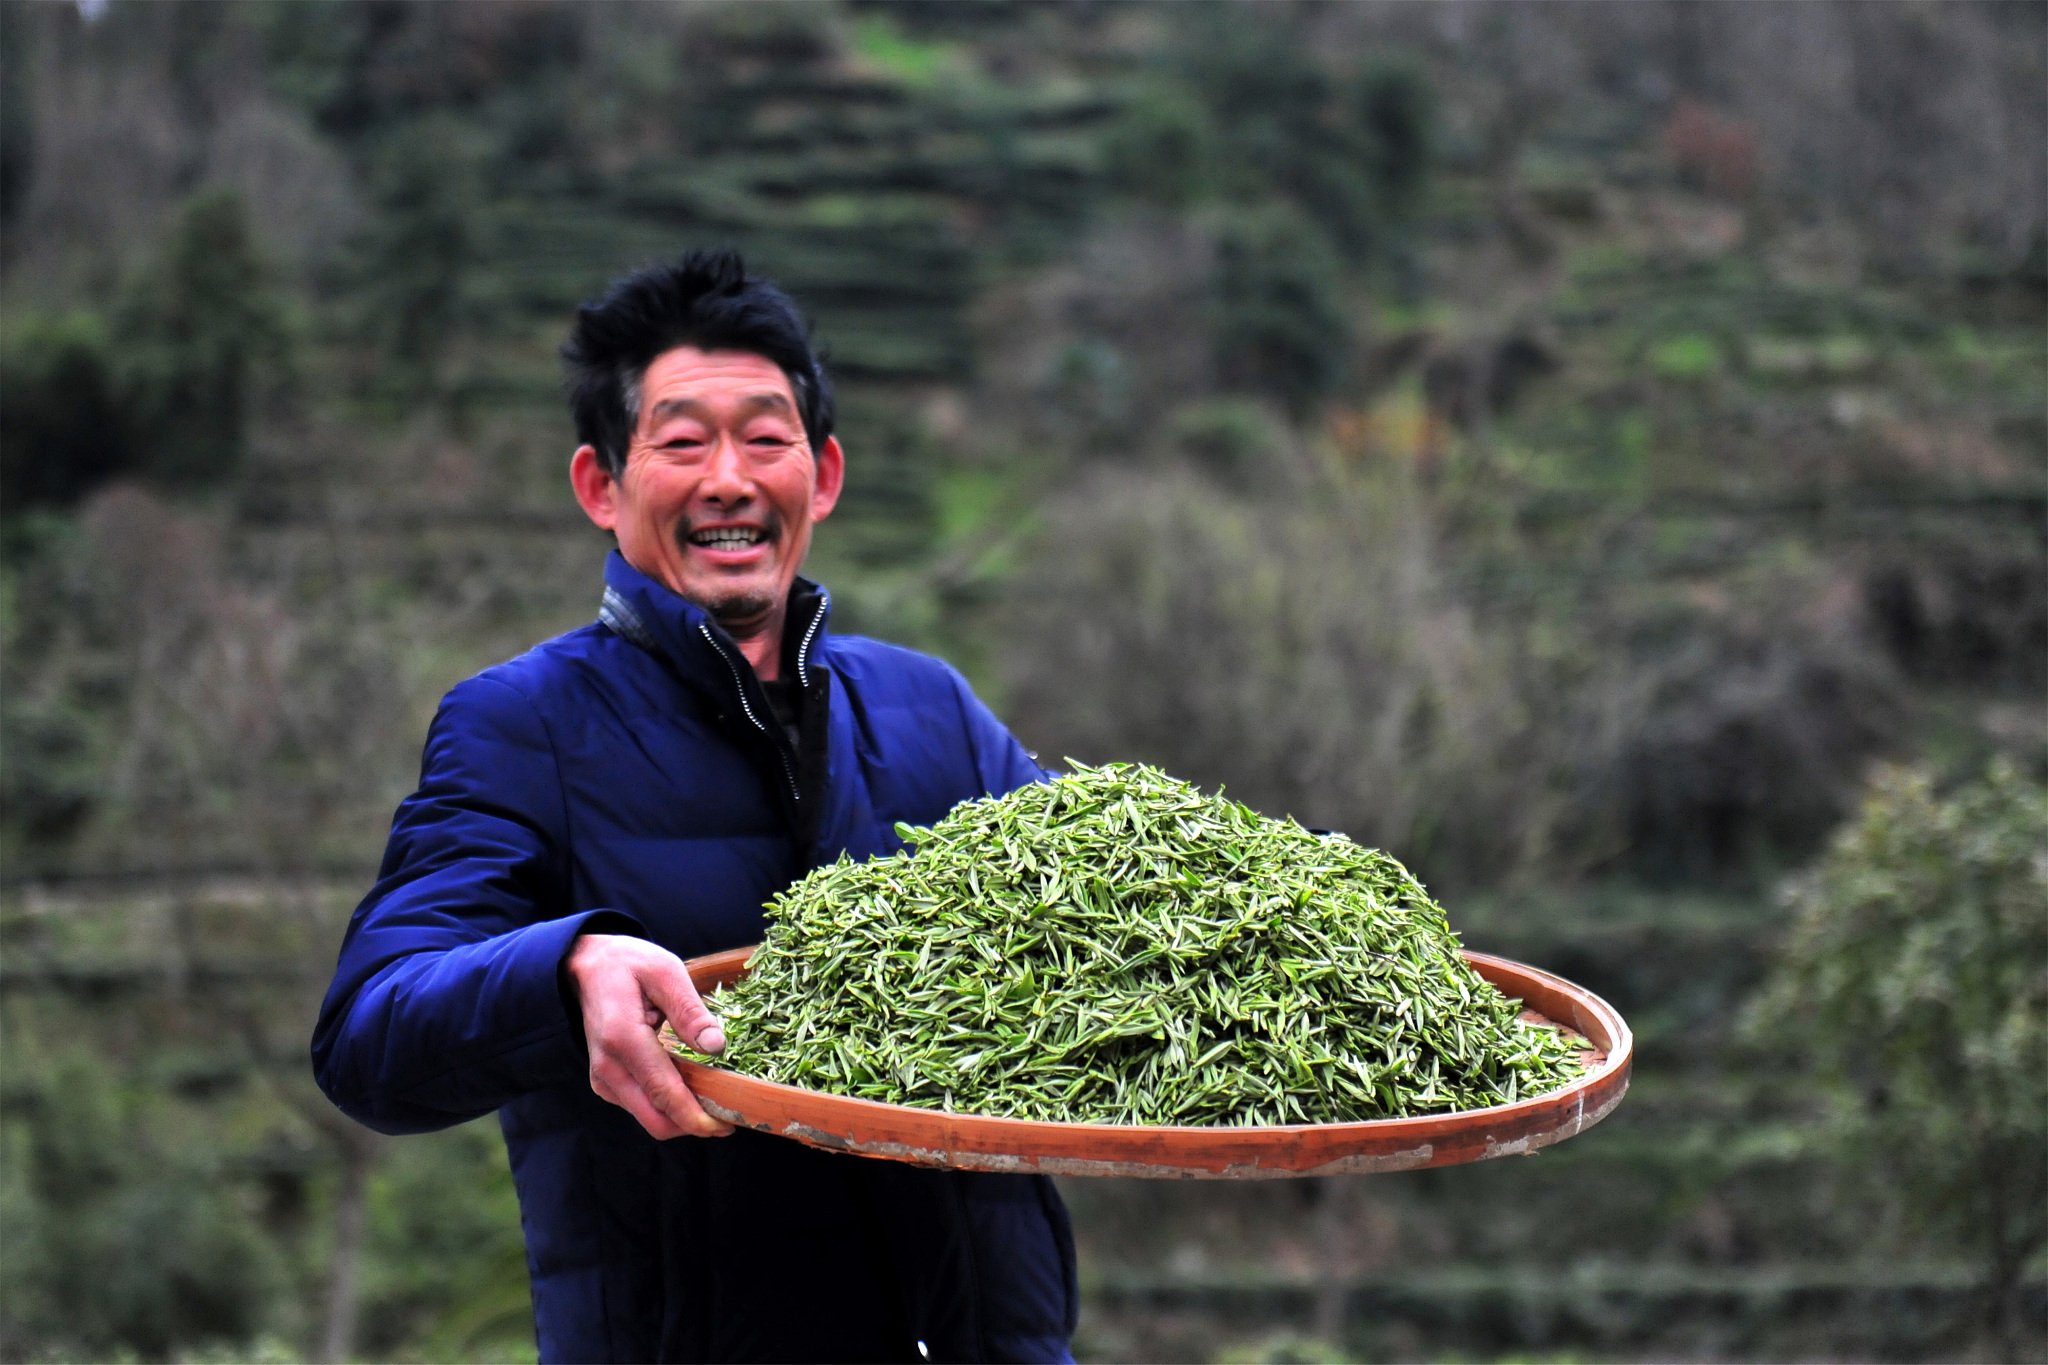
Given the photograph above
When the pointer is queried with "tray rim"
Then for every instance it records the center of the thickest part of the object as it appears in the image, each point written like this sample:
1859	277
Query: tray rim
989	1142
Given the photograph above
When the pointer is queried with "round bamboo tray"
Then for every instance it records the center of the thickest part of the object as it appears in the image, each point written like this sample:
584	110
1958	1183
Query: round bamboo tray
932	1137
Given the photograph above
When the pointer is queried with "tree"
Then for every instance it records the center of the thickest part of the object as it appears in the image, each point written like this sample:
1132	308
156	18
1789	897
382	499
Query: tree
417	280
1253	114
1281	325
202	334
1916	975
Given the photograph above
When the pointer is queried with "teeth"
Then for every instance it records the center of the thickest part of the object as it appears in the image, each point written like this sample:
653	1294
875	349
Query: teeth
727	538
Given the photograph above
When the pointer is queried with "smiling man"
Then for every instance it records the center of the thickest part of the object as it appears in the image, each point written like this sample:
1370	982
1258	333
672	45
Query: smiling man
630	794
718	489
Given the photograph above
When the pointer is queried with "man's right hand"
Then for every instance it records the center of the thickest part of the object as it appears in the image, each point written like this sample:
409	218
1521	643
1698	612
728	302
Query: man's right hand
627	987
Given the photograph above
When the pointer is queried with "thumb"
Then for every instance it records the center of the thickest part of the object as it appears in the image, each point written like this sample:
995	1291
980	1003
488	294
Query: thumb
673	993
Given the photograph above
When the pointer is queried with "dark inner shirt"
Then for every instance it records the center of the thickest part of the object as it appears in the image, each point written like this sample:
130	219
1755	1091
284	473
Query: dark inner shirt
786	700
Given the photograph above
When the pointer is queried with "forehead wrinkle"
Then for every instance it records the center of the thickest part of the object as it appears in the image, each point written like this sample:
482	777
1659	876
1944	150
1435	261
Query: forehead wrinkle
684	406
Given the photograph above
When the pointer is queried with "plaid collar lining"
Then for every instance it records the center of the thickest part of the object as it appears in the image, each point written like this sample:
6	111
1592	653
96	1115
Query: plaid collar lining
615	611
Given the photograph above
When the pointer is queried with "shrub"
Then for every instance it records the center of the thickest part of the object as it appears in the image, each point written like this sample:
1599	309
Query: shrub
203	340
1916	978
65	429
1281	325
1293	637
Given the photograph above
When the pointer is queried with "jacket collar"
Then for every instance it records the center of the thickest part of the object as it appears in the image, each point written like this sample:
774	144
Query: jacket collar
672	627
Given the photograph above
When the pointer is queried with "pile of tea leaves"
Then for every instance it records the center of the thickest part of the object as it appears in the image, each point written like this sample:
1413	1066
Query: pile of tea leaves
1116	946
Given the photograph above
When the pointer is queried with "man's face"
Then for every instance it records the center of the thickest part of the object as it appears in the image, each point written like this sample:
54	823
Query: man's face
720	485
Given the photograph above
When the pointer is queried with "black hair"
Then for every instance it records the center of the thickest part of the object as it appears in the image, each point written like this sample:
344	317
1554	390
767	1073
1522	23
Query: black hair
707	300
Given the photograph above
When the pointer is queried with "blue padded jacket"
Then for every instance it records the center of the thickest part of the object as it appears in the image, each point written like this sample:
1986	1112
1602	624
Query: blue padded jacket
629	777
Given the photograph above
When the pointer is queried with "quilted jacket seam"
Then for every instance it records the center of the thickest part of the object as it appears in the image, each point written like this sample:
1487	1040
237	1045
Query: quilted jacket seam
564	854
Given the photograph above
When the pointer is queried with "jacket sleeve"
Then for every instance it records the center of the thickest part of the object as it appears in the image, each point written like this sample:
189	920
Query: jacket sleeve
446	1000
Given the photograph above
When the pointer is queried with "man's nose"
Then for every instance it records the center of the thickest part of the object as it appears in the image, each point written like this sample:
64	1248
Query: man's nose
726	475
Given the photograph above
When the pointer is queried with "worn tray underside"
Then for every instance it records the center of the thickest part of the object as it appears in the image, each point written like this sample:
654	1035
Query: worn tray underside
932	1137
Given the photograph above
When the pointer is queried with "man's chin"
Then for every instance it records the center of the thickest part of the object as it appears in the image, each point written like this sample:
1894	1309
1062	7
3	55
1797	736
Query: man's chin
738	609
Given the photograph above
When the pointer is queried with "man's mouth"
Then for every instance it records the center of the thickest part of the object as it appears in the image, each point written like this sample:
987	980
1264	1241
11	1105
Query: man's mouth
729	537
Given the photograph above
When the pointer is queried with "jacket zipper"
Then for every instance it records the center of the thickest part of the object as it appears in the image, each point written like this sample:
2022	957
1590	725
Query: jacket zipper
803	649
781	747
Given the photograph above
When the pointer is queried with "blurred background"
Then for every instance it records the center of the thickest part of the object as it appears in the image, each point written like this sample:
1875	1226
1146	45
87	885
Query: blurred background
1597	452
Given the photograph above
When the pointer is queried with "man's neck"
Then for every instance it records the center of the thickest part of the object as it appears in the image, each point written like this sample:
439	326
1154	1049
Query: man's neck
760	640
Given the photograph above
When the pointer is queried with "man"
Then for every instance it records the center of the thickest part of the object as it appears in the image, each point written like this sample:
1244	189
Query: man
630	794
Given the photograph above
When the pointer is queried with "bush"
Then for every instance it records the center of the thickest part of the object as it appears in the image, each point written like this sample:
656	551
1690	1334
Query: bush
1163	147
167	389
1282	327
203	338
65	428
1916	978
135	1239
1293	637
159	710
1729	743
1231	439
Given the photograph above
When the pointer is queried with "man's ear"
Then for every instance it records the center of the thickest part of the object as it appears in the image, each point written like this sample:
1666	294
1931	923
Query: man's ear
831	477
594	485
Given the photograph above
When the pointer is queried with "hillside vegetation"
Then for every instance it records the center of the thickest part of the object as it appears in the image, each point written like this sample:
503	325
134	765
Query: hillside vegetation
1572	447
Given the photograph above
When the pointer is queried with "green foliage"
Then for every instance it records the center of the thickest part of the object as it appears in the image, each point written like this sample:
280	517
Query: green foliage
1234	439
125	1241
1690	356
1282	327
1089	396
1734	737
916	63
415	269
1352	152
1163	145
888	511
160	711
56	725
1285	1349
151	1219
1916	979
1301	642
1395	106
202	333
68	426
168	389
446	1262
1529	650
53	776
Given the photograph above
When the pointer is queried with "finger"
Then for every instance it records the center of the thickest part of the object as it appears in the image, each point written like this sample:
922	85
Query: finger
675	995
634	1101
703	1124
654	1071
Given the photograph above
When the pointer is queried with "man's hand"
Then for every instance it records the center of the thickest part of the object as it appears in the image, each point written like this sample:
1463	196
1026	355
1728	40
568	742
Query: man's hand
627	986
